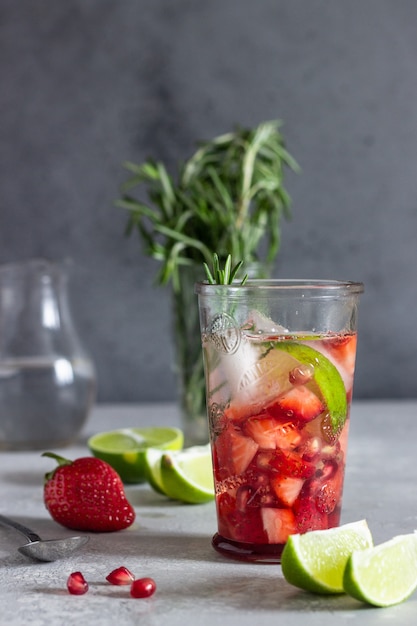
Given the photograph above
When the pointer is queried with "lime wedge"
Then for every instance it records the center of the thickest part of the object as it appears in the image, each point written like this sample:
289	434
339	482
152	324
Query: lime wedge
327	378
153	458
316	560
124	449
187	475
383	575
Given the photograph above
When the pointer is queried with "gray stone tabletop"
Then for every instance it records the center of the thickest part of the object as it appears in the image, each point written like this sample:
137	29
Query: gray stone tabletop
171	542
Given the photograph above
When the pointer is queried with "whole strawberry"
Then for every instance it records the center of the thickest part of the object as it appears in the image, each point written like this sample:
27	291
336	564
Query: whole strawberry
87	494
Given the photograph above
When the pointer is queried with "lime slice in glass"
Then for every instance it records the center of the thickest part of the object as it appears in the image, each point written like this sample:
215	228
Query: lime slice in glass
383	575
316	560
124	449
327	378
187	475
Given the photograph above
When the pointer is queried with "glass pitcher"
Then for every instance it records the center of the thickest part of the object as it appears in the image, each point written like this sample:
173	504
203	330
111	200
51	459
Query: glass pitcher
47	381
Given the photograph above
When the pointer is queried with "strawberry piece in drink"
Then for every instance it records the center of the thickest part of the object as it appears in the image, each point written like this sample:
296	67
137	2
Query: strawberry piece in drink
301	404
270	433
278	524
287	488
308	517
234	451
289	463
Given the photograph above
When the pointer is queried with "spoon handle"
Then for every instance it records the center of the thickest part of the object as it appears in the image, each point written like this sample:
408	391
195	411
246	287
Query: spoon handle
23	530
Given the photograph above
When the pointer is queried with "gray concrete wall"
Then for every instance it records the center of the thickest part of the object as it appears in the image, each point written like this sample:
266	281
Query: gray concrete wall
87	84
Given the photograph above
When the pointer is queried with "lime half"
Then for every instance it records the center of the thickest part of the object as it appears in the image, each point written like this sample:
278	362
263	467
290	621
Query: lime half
327	378
187	475
316	560
383	575
124	449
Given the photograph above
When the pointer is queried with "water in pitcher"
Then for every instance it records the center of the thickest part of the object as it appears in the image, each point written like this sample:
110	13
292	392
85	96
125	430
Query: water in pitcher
44	401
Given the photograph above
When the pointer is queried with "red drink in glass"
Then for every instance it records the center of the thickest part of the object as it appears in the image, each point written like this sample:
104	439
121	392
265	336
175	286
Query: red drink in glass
278	407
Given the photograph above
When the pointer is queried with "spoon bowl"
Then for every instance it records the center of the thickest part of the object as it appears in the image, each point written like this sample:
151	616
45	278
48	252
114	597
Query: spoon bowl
48	549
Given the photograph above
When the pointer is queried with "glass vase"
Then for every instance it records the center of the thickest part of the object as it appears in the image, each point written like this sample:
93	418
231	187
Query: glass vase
189	363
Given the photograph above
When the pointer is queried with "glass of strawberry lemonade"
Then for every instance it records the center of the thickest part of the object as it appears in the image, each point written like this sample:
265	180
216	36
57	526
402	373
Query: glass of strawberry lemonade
279	360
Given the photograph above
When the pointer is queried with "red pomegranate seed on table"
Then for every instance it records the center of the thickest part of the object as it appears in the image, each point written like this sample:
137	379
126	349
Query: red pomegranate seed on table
120	576
143	588
76	584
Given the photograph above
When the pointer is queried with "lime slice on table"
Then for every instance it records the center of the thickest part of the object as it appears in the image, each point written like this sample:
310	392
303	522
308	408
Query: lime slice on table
153	458
316	560
124	449
327	378
187	475
383	575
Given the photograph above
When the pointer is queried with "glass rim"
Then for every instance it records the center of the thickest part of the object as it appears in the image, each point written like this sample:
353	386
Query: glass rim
284	285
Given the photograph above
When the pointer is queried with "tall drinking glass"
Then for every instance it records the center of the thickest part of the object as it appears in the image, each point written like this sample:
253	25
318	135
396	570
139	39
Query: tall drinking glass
279	358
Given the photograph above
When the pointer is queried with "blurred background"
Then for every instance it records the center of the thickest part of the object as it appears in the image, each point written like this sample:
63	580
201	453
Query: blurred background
88	84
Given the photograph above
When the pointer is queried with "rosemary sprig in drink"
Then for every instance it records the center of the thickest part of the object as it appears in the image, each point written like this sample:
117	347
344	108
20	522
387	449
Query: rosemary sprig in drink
225	276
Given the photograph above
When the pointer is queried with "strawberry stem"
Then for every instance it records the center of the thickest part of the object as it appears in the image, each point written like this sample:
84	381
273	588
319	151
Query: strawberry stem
61	462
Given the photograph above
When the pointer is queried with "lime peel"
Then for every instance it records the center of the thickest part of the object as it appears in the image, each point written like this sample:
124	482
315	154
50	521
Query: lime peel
315	561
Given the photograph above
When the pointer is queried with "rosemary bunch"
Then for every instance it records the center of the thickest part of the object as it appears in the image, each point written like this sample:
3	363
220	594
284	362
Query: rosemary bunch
227	198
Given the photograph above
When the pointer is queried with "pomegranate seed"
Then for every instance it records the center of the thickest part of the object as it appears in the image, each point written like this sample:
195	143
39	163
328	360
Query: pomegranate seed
77	584
143	588
120	576
301	374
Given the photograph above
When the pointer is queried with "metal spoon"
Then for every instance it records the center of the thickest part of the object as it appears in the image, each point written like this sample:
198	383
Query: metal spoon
44	550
